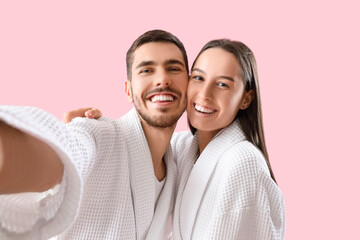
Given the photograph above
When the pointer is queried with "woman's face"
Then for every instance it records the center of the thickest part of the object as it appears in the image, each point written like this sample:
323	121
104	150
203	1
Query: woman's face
216	90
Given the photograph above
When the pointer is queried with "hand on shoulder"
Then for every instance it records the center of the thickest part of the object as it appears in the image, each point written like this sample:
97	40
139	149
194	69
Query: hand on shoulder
89	112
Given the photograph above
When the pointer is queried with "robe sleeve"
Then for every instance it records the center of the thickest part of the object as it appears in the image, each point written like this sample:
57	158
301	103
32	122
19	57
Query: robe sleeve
264	215
265	219
251	205
268	213
43	215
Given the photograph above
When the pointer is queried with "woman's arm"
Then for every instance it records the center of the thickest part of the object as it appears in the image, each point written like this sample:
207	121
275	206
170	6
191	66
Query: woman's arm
82	112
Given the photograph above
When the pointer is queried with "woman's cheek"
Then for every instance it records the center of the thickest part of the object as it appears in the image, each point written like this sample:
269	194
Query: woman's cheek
191	91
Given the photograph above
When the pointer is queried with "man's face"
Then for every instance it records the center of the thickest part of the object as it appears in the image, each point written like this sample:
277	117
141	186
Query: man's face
159	82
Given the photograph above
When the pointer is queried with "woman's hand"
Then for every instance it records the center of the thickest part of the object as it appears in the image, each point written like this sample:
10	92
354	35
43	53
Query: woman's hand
82	112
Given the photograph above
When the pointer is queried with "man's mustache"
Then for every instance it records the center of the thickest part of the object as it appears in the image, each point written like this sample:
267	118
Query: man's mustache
160	90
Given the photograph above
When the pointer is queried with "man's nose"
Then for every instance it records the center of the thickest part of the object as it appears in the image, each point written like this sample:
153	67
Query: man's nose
162	79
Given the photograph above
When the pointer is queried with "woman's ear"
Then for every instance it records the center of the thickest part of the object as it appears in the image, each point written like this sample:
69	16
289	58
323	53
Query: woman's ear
128	91
247	99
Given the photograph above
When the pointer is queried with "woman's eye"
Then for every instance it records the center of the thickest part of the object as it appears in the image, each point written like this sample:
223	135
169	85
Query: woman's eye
199	78
221	84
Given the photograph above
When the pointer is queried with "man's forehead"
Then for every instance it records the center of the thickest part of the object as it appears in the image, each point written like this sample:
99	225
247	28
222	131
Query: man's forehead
158	52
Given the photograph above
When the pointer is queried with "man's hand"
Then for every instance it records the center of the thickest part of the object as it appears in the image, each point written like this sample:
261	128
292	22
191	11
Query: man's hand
82	112
27	164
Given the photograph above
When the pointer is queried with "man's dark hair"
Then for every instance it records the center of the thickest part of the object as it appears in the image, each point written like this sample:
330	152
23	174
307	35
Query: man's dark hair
154	36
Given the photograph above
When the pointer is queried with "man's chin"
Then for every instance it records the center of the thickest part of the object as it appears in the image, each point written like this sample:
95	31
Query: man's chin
160	119
161	123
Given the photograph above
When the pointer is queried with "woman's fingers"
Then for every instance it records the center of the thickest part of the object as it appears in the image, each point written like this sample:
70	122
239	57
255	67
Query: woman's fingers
68	116
93	113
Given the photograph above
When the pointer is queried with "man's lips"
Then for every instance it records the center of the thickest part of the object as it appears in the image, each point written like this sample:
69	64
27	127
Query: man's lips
204	109
162	97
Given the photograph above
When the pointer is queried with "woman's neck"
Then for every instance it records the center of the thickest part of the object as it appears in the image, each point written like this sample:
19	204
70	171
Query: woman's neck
204	137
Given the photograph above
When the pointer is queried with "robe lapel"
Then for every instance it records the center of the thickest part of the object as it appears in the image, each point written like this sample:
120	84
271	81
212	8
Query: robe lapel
142	178
200	174
165	203
185	166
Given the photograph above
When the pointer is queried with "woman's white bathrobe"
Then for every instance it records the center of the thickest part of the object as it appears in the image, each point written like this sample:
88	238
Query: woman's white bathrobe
228	193
109	182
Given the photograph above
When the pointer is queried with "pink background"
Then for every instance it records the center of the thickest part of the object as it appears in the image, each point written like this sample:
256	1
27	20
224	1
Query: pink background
68	54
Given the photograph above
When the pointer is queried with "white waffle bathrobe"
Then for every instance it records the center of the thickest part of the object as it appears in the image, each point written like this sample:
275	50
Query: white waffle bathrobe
228	194
108	190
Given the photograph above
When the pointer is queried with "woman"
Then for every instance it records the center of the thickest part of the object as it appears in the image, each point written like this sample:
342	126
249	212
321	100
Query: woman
225	186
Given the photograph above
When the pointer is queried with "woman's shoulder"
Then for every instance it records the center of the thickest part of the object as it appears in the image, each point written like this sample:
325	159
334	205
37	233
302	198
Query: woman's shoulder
245	164
242	154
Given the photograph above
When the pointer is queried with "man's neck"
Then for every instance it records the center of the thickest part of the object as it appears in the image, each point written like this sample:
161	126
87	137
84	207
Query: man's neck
158	140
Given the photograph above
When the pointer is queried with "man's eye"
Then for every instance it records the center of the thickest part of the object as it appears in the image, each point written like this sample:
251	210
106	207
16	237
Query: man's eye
174	69
145	71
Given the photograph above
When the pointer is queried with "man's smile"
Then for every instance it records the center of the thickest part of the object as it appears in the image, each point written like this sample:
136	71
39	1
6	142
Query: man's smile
163	97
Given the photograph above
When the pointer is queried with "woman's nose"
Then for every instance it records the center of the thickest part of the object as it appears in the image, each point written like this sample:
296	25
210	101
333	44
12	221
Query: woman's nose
206	92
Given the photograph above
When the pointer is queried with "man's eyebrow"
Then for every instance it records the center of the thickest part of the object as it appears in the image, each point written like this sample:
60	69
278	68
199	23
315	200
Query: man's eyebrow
153	63
145	63
174	61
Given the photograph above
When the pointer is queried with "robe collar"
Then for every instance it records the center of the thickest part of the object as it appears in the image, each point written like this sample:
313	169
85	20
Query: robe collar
142	180
198	178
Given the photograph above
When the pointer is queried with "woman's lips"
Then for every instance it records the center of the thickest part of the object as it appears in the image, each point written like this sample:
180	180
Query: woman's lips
203	109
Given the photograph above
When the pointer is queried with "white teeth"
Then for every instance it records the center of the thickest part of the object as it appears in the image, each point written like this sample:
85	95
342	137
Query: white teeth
162	98
202	109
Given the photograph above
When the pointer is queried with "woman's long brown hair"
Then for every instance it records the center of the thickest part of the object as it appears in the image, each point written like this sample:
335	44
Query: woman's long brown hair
251	118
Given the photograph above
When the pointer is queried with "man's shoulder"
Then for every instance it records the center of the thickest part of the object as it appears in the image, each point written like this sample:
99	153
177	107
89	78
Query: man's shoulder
102	122
100	130
182	143
180	137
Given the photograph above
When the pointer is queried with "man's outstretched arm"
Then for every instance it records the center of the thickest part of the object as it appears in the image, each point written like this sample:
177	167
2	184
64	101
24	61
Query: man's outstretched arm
27	164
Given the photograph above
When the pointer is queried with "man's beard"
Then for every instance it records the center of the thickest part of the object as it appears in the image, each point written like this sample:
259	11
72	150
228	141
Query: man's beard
159	122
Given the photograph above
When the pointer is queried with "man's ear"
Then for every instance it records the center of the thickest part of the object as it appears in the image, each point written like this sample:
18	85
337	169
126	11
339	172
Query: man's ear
247	99
128	91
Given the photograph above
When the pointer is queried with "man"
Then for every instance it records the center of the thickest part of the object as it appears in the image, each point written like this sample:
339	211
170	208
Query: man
110	172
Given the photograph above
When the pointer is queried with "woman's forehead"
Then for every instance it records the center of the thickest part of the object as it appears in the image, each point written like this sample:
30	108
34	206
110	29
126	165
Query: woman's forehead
217	61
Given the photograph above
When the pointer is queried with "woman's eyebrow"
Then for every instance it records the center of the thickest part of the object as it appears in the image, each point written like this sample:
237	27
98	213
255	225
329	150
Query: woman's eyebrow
199	70
227	77
219	77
